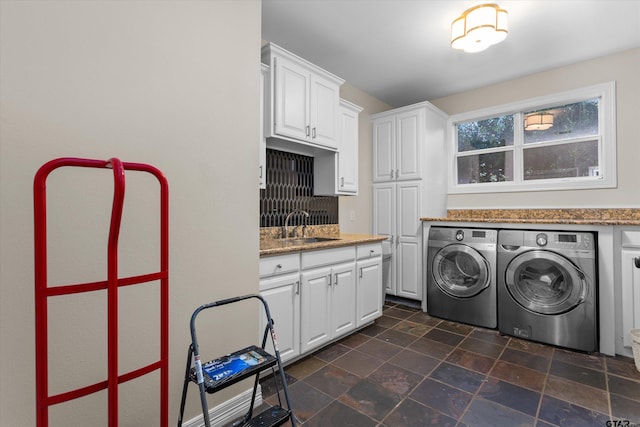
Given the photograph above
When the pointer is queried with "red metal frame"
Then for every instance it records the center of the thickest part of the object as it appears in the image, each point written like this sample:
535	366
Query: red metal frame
43	292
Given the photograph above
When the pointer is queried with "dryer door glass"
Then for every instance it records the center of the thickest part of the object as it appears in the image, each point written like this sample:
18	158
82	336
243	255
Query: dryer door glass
545	282
460	271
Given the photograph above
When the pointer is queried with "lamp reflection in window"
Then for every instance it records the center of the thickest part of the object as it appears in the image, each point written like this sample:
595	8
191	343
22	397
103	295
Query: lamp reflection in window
538	121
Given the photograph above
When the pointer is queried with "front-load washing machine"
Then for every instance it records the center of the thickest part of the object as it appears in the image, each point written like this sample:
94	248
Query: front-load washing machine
461	271
547	287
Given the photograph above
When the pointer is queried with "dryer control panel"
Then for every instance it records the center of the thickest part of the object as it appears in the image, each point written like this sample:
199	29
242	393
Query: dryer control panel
464	235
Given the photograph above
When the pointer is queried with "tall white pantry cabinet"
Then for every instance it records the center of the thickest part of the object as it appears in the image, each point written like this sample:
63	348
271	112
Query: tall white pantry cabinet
409	182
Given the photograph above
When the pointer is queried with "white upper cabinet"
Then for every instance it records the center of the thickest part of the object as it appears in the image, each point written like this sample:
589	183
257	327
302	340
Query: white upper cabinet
292	105
336	173
398	142
304	99
347	176
325	101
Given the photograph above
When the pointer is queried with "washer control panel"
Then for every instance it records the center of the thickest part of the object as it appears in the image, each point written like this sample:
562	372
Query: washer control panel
559	240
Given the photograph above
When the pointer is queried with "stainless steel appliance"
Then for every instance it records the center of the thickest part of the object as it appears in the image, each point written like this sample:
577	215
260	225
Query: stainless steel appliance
461	265
547	287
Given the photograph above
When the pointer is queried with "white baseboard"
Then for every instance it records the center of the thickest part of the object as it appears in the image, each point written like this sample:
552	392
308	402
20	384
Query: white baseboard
227	411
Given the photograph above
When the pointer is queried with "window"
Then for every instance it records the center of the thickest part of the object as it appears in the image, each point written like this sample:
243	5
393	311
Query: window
559	142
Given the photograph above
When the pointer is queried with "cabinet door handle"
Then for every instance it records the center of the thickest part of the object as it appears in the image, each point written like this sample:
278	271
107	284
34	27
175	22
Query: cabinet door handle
391	174
329	278
336	280
260	171
278	267
342	182
298	287
361	272
636	261
313	133
307	130
397	173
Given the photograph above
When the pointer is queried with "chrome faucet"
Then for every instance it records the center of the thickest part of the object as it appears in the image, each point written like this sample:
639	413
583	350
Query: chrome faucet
286	221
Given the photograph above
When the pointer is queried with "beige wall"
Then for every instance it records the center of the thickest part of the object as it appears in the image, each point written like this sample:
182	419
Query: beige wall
621	68
173	84
361	204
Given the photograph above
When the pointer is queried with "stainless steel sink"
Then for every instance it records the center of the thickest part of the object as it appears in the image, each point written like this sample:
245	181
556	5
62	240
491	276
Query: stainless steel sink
305	240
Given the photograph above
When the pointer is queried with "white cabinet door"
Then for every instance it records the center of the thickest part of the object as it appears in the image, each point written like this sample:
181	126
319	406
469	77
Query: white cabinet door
369	290
343	299
292	85
324	102
315	308
336	173
384	149
409	140
409	240
630	279
396	214
397	146
384	214
348	149
282	294
384	224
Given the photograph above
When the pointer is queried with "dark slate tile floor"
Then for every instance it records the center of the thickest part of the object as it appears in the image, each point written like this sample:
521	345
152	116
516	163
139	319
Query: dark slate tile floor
410	369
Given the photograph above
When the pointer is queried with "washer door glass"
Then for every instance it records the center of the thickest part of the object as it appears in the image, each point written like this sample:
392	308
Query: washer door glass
460	271
545	282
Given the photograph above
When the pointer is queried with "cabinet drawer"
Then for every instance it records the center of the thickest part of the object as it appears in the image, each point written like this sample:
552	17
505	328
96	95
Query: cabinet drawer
369	250
631	239
279	264
328	256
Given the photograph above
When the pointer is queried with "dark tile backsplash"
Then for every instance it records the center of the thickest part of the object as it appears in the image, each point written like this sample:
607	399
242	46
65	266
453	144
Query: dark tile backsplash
289	187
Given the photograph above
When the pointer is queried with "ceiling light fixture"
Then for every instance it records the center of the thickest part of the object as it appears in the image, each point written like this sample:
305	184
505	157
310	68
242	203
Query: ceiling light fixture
538	121
479	27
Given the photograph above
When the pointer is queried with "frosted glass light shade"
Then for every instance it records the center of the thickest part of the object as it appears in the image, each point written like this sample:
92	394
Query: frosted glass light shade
479	27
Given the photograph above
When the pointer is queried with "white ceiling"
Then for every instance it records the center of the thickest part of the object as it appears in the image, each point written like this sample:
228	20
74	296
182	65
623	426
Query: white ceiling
398	50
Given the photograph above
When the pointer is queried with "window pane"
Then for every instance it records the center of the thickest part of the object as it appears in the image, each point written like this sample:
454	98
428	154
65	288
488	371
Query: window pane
489	133
566	121
561	161
491	167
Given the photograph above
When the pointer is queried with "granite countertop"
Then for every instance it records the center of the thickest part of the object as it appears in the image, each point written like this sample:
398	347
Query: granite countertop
279	246
617	216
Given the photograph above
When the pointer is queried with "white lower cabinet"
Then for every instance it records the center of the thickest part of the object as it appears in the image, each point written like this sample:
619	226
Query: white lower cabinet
369	290
317	296
328	288
316	305
343	299
630	281
282	294
328	304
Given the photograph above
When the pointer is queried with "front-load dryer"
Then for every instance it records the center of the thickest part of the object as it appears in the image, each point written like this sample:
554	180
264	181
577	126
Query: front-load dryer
461	271
547	287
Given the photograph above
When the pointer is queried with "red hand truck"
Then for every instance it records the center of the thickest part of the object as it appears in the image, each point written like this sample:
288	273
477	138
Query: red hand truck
43	292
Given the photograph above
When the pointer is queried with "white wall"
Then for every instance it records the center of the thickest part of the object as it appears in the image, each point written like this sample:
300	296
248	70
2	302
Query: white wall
169	83
621	68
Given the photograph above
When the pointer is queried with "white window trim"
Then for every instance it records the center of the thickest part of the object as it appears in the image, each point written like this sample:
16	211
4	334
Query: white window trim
607	125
